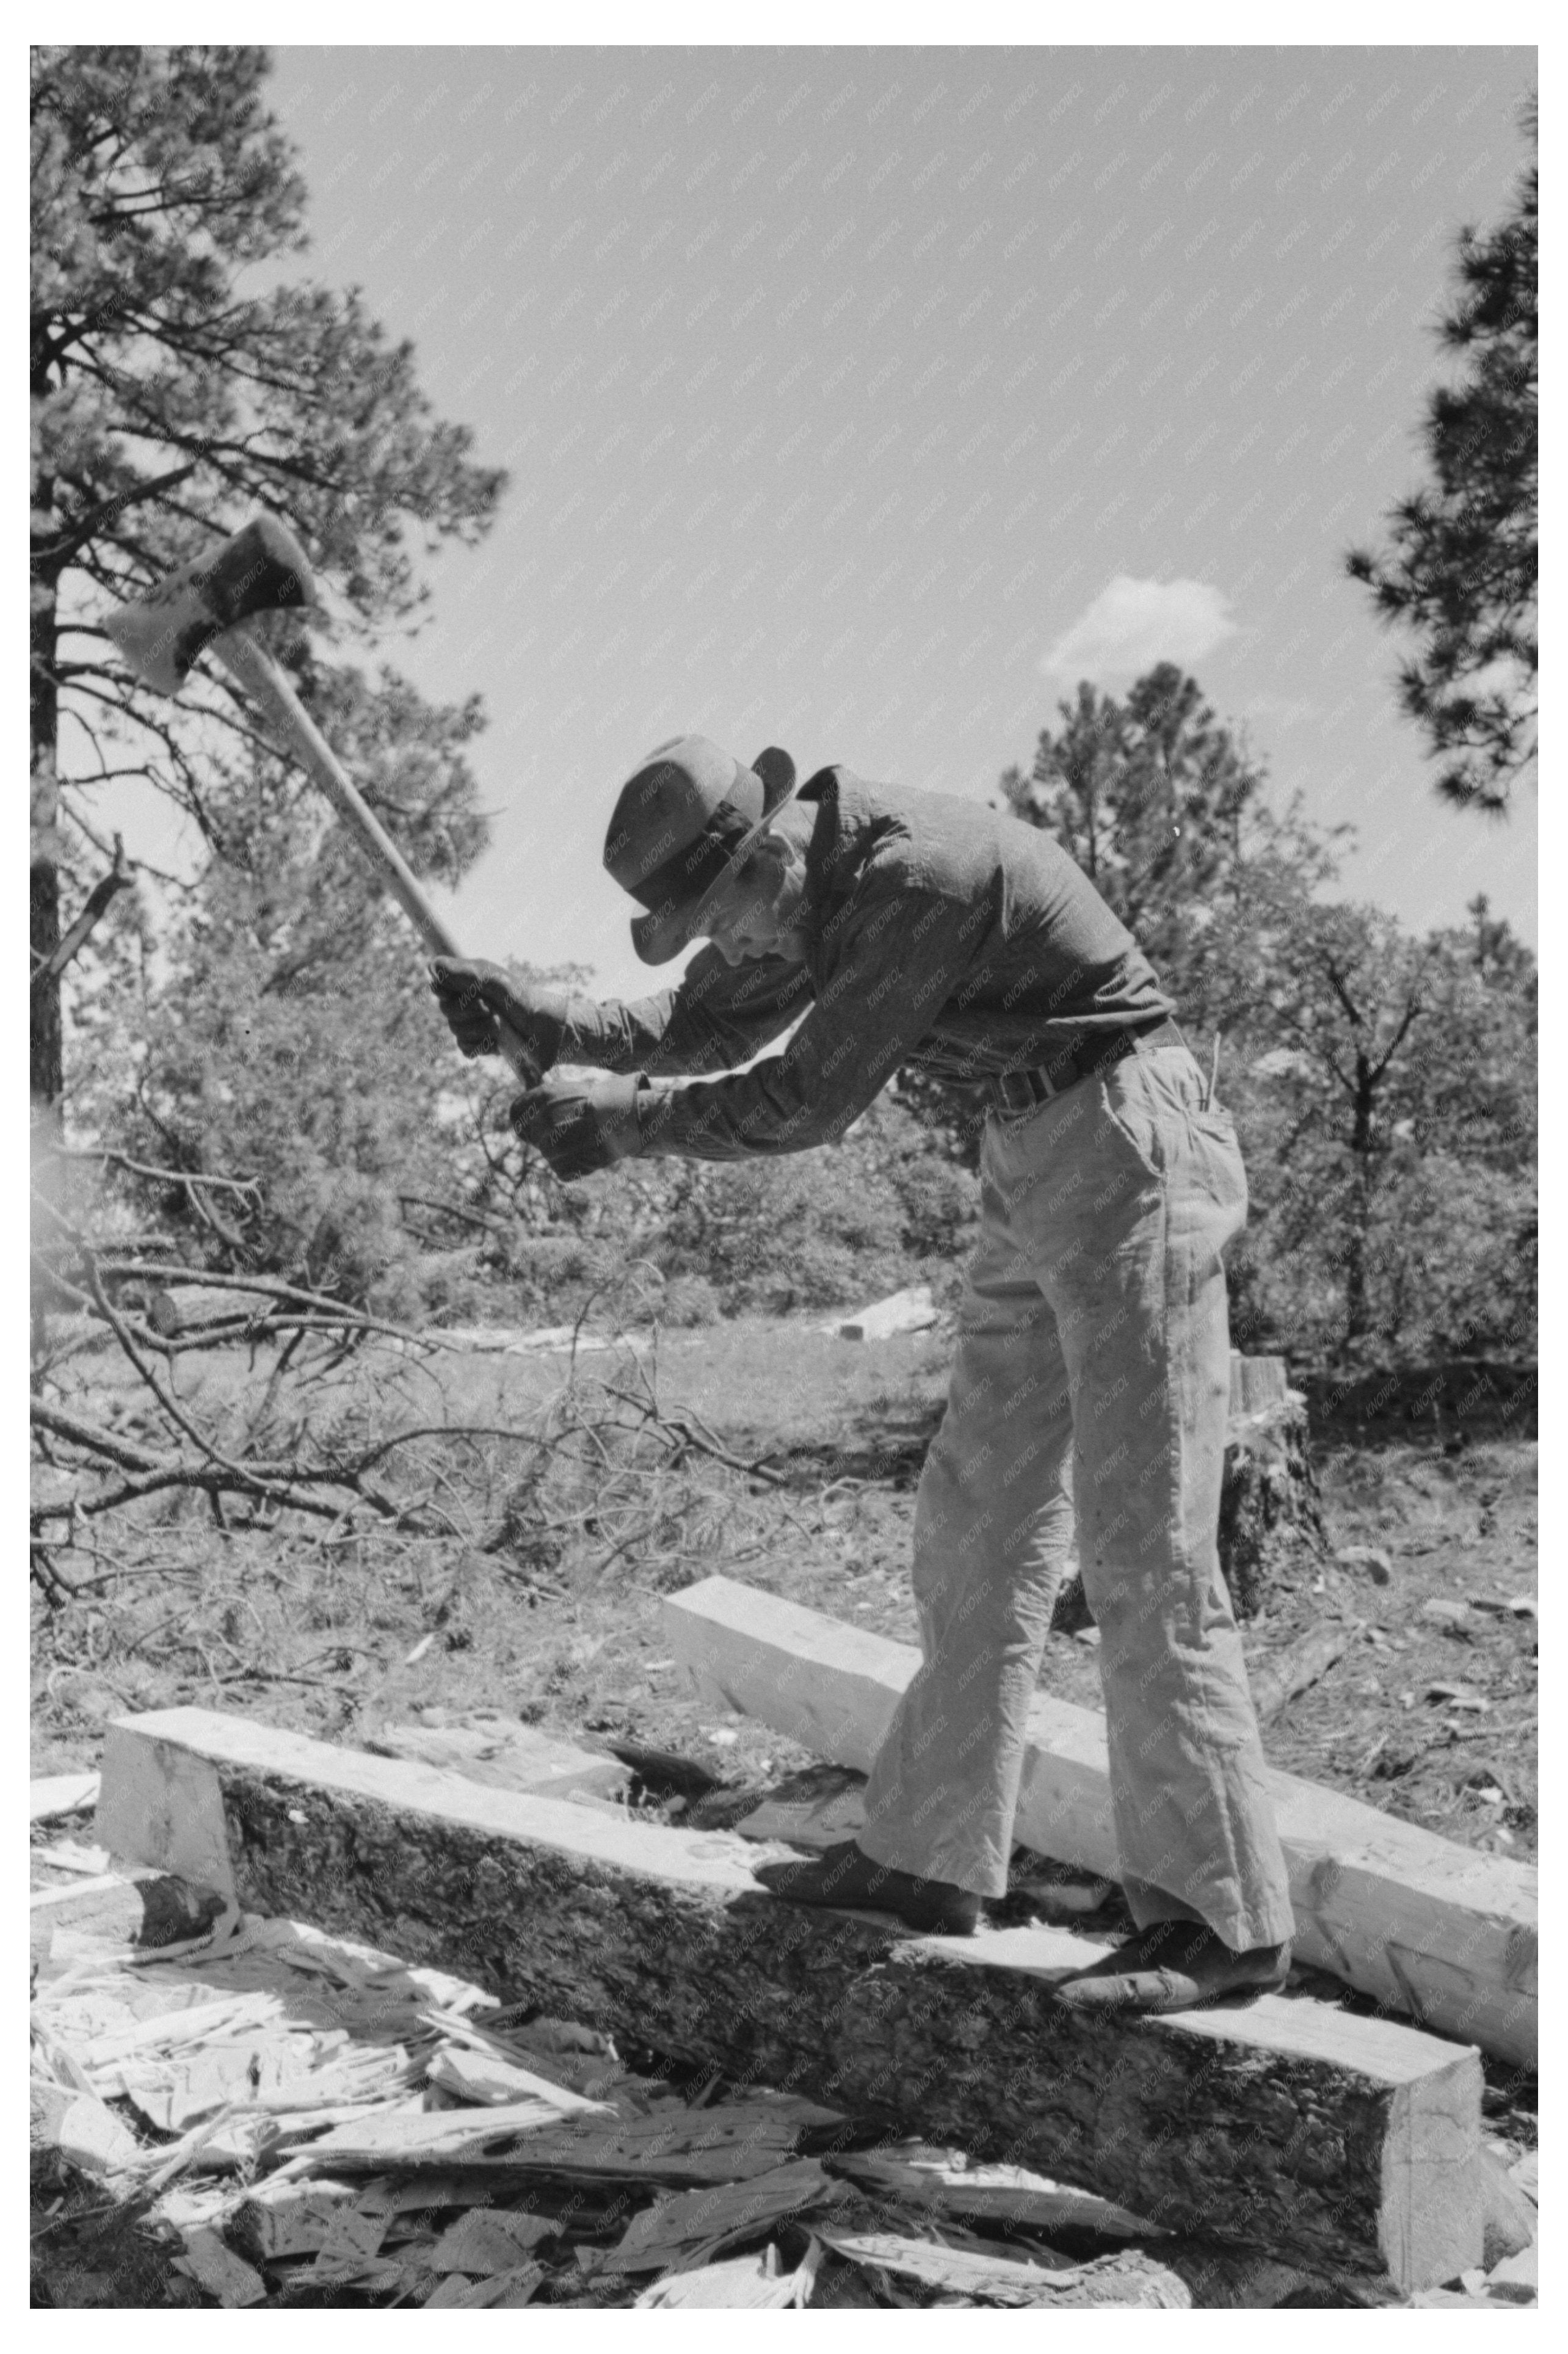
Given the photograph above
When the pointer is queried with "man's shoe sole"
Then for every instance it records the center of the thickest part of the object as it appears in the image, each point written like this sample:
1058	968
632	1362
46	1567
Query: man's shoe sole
934	1924
1156	1994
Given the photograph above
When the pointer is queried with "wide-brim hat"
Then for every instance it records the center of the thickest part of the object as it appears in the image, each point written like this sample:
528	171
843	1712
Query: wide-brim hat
683	821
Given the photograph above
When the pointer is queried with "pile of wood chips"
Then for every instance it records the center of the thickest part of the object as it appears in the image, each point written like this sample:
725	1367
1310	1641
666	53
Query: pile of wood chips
304	2120
314	2121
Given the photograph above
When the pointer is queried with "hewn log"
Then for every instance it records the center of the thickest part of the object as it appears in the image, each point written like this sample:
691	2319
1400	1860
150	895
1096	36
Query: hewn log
510	1756
1443	1932
1340	2143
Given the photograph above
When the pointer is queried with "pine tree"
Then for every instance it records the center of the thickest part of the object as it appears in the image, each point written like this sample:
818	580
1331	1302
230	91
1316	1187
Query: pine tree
169	402
1461	572
1164	809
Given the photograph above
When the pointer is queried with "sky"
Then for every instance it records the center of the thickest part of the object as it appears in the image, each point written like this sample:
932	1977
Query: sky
861	401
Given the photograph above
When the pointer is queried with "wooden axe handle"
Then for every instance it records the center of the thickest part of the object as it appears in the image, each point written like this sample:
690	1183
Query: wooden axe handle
247	660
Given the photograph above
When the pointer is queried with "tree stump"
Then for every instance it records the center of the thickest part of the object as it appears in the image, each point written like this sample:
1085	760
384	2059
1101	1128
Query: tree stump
1271	1518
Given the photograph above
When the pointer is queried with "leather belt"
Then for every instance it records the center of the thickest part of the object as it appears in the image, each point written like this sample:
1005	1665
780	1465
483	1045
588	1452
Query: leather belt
1020	1091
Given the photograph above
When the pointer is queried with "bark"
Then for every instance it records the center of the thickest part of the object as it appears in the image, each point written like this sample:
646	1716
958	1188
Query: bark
46	1075
1356	1241
1271	1516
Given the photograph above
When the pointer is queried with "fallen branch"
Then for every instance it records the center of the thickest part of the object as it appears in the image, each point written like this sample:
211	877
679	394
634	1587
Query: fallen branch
1301	1664
483	1219
685	1428
329	1310
74	940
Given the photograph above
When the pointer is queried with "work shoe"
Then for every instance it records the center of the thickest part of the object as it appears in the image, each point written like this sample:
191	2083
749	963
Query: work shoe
1173	1966
842	1875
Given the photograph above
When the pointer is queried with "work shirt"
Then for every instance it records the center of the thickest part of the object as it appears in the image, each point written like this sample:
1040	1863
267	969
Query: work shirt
941	934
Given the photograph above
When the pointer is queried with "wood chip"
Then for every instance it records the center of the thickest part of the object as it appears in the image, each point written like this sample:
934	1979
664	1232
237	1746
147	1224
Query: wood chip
1521	2273
489	2241
351	2241
1509	2218
499	2292
198	2022
79	2127
60	1794
1009	2280
931	2180
453	2290
738	2282
215	2267
697	2220
383	2138
456	2294
488	2081
290	2218
269	2076
65	1855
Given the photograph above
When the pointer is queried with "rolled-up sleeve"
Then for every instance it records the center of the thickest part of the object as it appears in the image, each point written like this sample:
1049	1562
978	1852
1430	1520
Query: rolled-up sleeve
716	1017
899	959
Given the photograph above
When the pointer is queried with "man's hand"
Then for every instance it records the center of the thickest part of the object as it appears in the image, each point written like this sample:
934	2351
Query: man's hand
472	993
581	1126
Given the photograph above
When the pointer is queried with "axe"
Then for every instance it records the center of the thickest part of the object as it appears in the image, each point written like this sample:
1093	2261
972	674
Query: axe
204	607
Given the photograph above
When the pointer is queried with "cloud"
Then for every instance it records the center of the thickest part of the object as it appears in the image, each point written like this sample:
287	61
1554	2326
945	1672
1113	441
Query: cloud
1133	624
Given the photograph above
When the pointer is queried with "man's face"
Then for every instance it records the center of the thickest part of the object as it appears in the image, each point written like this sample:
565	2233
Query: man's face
751	915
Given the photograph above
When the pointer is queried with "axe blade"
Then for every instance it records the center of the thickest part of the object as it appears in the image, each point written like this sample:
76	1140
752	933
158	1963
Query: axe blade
261	569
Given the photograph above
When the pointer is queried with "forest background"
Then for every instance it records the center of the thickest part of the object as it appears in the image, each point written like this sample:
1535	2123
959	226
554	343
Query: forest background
251	1017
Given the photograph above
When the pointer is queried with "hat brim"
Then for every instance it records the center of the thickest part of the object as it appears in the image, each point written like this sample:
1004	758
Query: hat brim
663	934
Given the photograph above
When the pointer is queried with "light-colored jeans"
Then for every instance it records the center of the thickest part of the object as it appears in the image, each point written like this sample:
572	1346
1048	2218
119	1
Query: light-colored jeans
1093	1369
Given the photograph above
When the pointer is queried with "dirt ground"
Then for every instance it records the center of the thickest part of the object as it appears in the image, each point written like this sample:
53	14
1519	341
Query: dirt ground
1430	1714
541	1596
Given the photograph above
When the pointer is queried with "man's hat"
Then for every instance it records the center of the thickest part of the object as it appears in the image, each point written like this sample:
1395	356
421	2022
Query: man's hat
682	824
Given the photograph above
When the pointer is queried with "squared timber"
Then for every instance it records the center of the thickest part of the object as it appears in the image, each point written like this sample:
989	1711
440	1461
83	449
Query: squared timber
1442	1932
1343	2144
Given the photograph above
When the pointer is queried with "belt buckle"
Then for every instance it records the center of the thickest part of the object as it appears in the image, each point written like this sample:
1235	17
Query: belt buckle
1014	1088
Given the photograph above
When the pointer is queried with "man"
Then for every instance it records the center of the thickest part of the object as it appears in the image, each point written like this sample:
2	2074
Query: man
910	928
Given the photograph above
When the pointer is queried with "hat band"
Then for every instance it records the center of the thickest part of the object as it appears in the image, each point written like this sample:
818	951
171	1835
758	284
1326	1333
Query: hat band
692	873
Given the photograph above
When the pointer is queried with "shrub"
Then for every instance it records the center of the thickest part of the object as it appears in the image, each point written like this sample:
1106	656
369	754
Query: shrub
688	1301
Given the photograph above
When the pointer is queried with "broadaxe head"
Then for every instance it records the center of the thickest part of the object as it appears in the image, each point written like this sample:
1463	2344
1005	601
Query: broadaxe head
261	569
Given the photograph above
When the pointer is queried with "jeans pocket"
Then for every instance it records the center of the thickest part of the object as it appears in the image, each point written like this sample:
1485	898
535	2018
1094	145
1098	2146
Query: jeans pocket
1132	1119
1217	1155
1155	1113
